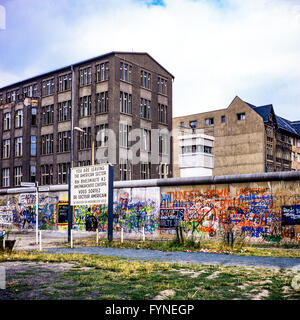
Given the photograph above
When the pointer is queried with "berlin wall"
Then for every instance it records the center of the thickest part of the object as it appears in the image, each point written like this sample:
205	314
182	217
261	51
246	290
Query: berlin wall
260	207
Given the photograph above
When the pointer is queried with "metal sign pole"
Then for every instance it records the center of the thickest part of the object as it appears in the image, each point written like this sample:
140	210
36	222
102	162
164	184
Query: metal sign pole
37	214
110	202
70	208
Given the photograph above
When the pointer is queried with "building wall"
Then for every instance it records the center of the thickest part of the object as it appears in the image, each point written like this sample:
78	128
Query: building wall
239	144
113	117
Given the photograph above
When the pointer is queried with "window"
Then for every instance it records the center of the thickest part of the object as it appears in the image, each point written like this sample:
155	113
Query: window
13	96
64	141
181	124
35	88
125	103
6	149
193	123
145	109
19	147
65	82
125	170
298	157
19	118
102	102
33	116
145	79
102	71
162	85
241	116
293	156
47	144
64	111
18	176
63	173
196	149
298	143
1	99
32	173
209	121
8	97
33	146
48	115
85	106
125	72
163	144
85	139
223	119
46	174
145	170
162	113
163	170
123	135
85	76
292	141
30	91
48	87
6	121
84	163
5	177
101	135
146	140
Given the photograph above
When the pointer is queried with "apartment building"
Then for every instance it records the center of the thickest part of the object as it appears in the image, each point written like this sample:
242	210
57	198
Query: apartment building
247	139
63	118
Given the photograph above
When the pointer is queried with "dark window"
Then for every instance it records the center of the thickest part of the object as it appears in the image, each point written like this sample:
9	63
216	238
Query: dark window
102	102
46	174
64	111
85	139
162	85
48	115
162	113
101	135
63	173
85	76
145	79
47	144
223	119
102	71
85	106
33	116
145	109
64	141
241	116
125	103
125	72
209	121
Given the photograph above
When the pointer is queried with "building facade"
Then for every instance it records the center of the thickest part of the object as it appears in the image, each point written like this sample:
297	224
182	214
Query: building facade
83	114
247	139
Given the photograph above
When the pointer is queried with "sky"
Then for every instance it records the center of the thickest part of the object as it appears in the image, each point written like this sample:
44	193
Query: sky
216	49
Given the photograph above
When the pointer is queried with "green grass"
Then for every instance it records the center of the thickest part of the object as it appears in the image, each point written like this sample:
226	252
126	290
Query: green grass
173	245
117	278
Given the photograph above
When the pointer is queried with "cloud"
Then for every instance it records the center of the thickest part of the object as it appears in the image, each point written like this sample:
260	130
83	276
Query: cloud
215	49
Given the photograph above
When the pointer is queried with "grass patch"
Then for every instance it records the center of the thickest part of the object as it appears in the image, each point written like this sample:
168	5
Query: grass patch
117	278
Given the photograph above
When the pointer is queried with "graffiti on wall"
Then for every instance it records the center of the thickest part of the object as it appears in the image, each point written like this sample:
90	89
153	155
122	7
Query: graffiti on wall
251	211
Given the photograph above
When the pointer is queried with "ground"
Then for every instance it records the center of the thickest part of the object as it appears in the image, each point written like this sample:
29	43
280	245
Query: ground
70	276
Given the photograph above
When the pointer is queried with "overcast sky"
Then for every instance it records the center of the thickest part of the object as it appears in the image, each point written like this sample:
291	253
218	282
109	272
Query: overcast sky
216	49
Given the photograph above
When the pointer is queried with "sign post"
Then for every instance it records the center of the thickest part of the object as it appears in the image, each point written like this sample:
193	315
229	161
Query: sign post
110	203
91	185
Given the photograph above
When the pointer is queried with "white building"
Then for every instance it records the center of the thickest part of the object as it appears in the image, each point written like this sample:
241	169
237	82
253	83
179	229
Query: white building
195	153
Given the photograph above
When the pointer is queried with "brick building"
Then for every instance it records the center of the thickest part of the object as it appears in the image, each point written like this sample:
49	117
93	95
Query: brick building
247	139
117	91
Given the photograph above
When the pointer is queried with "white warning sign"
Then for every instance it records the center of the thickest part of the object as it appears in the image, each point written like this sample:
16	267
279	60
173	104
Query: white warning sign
89	185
